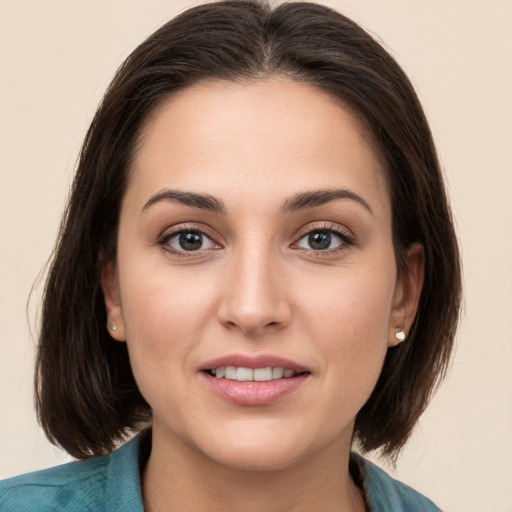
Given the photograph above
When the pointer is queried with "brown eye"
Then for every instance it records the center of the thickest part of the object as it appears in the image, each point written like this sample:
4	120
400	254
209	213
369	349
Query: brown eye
322	240
190	240
319	241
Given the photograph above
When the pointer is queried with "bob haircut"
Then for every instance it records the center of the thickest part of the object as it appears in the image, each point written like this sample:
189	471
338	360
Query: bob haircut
86	396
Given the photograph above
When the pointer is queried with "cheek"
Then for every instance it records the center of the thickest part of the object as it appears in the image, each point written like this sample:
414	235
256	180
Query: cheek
348	319
164	320
164	316
355	303
157	299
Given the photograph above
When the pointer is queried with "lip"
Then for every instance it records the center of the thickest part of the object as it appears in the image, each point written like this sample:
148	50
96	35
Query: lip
258	361
253	393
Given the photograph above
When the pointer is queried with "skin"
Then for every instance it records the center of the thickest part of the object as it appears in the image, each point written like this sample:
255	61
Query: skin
256	286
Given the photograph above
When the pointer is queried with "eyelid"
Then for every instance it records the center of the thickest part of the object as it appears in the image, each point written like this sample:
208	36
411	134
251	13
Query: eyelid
344	234
169	233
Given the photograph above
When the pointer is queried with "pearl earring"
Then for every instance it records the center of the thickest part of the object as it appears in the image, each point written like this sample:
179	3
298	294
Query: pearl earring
400	335
111	327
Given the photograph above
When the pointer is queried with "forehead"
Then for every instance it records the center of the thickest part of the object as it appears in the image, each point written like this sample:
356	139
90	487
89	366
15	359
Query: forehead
273	136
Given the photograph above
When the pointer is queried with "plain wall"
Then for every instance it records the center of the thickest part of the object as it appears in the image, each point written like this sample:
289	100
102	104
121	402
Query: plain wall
56	59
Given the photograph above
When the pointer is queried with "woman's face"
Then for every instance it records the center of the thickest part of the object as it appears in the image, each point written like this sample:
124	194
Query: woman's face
255	235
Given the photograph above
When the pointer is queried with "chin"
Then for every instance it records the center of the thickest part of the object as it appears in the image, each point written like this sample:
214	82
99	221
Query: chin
261	448
259	458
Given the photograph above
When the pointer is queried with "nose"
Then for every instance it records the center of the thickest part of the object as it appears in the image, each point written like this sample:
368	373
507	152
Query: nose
255	296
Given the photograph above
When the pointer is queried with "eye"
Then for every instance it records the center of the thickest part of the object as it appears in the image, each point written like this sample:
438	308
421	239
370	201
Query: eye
323	240
188	240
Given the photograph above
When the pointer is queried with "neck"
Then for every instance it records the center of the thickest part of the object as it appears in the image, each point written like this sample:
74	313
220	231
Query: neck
178	478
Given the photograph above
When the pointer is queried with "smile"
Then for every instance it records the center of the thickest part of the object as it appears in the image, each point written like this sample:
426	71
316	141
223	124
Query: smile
243	374
254	380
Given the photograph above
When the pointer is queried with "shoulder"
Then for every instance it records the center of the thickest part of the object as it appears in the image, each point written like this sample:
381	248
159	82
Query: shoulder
59	488
385	494
98	484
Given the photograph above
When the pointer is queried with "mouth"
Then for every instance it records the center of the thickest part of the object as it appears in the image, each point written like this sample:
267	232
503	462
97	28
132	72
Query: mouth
259	380
243	374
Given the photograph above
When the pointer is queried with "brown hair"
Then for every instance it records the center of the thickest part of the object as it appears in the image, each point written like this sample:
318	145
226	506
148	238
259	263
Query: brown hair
86	396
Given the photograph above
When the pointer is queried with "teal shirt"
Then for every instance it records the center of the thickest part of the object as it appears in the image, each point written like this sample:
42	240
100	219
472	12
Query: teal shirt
112	483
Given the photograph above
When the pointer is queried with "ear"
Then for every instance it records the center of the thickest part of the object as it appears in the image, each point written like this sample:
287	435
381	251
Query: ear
109	285
407	294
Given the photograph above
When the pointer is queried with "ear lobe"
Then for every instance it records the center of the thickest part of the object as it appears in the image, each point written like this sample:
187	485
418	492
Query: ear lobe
407	294
109	285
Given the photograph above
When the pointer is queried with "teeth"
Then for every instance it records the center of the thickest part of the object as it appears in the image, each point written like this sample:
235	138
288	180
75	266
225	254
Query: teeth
277	373
244	374
230	373
262	374
248	374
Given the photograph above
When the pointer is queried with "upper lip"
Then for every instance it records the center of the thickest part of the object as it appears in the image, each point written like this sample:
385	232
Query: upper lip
256	361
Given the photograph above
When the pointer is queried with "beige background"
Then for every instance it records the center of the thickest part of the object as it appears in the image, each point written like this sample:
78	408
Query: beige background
57	57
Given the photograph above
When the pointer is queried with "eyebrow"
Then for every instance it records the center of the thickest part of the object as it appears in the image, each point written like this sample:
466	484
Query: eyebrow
314	198
301	201
202	201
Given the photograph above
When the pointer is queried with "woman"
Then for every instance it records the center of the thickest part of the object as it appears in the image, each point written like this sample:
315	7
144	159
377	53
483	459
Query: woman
259	219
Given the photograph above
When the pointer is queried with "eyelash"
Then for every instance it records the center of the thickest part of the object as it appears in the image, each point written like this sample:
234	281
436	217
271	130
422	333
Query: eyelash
163	241
346	239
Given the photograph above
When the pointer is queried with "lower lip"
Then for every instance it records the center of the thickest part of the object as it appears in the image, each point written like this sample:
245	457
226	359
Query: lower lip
252	392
